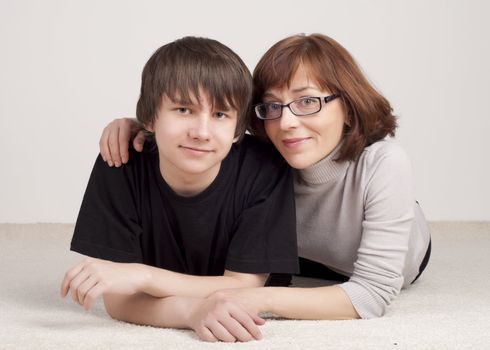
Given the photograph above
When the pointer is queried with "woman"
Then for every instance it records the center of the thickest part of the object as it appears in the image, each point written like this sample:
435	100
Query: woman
357	219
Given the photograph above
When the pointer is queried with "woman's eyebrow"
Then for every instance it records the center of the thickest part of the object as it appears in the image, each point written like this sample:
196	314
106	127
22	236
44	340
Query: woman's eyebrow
270	95
295	91
303	88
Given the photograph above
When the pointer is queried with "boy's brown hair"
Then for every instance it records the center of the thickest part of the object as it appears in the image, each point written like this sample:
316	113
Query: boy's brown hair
181	68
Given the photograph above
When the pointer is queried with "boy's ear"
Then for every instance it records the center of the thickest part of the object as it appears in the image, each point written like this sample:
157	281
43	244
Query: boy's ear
149	127
236	139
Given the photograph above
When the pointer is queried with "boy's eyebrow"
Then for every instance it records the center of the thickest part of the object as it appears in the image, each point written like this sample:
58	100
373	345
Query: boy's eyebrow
178	101
227	108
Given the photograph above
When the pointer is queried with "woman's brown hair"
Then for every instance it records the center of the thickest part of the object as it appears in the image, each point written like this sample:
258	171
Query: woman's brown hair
369	115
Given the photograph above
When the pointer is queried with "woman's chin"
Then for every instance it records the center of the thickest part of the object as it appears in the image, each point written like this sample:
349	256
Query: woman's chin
298	162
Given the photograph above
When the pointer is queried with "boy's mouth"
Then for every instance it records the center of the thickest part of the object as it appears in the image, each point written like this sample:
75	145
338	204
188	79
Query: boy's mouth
197	149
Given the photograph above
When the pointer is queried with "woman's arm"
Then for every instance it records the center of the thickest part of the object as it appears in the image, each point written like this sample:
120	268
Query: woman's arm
321	303
377	276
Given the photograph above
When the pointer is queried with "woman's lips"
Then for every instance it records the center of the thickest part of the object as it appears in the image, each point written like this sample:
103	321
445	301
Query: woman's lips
295	142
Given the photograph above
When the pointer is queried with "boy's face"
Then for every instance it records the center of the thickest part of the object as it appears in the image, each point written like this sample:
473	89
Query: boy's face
193	139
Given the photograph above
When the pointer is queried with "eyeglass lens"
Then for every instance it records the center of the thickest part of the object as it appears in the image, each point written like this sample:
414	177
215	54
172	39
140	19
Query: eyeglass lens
303	106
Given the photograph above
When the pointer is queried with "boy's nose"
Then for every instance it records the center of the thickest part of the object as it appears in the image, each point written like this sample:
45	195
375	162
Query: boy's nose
200	128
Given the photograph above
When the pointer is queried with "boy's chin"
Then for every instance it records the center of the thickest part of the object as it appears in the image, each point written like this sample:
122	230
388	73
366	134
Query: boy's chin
196	167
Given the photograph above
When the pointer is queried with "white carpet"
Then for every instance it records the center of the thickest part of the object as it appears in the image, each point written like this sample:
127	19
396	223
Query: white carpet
447	308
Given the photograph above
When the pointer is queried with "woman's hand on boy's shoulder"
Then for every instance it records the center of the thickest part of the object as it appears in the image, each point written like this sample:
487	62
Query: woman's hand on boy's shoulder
114	141
93	277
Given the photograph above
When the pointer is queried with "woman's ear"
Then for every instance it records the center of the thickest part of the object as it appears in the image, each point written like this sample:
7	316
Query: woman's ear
347	121
347	113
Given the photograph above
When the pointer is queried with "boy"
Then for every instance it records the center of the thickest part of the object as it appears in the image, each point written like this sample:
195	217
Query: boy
193	214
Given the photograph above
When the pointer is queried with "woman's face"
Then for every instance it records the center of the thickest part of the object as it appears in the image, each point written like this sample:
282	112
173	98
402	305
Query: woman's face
304	140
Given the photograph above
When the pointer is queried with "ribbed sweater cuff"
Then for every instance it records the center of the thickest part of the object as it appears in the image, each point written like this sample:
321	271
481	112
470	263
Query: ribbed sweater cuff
366	305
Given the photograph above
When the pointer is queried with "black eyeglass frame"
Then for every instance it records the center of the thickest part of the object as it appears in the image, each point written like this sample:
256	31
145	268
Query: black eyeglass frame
325	99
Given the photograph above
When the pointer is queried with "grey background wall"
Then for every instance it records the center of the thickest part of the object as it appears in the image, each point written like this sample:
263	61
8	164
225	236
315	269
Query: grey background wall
69	67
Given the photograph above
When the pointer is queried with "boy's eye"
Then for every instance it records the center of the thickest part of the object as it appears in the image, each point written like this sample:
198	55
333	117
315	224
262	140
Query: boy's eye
183	110
220	115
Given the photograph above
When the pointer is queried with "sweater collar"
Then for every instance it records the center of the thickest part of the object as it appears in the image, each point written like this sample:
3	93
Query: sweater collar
325	170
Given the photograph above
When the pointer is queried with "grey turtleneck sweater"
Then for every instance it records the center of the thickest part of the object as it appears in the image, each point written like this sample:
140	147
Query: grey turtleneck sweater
361	219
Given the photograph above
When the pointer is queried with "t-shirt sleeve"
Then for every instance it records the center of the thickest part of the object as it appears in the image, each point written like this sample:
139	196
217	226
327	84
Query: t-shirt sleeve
264	238
108	225
389	201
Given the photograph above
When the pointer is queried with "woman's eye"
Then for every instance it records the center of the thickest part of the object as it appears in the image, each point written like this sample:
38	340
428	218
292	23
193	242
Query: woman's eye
274	106
220	115
308	101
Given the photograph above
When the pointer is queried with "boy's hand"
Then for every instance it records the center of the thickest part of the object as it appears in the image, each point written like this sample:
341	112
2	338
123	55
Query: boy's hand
93	277
114	142
218	319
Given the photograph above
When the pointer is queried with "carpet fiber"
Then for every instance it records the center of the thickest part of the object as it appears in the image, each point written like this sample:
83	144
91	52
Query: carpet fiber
447	308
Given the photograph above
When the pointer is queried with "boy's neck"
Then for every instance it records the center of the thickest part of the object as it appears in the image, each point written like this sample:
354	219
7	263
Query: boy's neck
186	184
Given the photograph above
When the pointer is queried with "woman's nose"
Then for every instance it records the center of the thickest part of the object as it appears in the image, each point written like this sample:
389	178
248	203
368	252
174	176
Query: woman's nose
288	119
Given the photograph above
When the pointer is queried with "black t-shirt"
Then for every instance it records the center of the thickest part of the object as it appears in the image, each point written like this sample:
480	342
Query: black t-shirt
244	221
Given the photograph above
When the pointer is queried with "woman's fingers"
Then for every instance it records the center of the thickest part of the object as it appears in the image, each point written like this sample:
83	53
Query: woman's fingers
104	146
124	136
139	141
114	144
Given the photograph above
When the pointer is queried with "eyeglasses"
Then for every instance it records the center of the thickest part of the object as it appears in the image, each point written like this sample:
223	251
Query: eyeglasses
300	107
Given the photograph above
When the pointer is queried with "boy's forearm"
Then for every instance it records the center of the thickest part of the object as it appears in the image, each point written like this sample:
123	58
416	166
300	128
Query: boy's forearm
163	283
144	309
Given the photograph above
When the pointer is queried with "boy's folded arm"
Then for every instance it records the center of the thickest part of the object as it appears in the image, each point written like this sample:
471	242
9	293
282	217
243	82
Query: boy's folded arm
212	319
163	283
145	309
